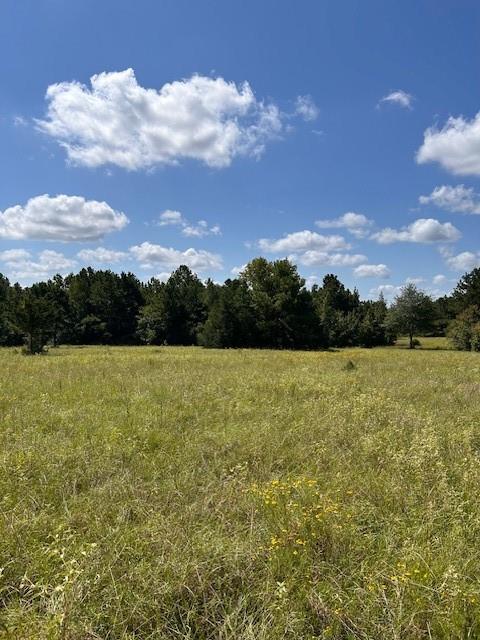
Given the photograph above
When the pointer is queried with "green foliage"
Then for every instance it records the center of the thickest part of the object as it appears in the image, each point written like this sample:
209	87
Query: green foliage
267	306
412	312
283	309
467	291
464	330
34	320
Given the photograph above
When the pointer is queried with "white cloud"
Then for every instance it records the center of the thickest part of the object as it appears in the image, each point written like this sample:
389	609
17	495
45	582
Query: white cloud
163	276
14	255
401	98
23	266
169	217
355	223
438	289
197	230
20	121
456	147
423	230
150	255
459	199
63	218
101	255
372	271
201	229
306	108
303	241
119	122
465	261
312	280
415	280
439	279
315	258
236	271
388	290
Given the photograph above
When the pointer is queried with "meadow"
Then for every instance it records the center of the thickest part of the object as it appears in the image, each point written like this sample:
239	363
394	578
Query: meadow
163	493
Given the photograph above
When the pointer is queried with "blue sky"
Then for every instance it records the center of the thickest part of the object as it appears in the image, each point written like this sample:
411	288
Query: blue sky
242	129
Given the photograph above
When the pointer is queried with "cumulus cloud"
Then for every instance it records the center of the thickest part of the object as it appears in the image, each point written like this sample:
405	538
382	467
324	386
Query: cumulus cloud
439	279
23	266
12	256
101	255
117	121
464	261
459	199
303	241
389	291
169	217
439	286
63	218
423	230
355	223
306	108
456	147
236	271
372	271
315	258
400	98
153	255
189	229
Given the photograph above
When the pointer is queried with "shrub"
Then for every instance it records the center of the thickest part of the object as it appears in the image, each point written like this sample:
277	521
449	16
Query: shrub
464	331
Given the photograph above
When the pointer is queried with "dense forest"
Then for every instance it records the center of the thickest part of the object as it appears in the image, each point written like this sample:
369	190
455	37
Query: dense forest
267	306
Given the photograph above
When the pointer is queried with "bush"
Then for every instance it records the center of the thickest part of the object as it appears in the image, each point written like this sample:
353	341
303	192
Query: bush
464	331
476	337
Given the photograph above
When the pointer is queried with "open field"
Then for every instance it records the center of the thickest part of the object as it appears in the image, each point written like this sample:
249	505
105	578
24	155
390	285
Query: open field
167	493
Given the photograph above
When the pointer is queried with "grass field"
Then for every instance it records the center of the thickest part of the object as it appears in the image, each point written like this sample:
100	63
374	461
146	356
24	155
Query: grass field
167	493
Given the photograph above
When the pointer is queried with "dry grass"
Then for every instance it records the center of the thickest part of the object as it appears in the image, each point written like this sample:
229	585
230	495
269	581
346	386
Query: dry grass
169	493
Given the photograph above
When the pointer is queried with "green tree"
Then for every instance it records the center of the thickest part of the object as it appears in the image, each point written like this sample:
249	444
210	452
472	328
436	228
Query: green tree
464	331
467	291
412	313
283	308
34	320
184	307
231	318
337	309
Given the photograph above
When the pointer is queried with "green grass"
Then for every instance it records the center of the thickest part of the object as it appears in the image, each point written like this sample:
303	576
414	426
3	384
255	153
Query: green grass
167	493
426	343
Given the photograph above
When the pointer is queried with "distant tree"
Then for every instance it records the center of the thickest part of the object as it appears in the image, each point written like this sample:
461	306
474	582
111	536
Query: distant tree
446	308
231	318
34	320
467	291
283	308
152	316
372	330
9	333
412	312
464	331
337	309
55	294
103	306
184	307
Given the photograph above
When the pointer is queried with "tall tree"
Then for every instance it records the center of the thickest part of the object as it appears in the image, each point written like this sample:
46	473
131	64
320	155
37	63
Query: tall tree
467	291
412	312
34	319
231	318
283	308
184	307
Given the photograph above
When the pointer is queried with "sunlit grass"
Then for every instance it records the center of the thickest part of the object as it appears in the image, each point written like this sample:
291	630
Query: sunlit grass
187	493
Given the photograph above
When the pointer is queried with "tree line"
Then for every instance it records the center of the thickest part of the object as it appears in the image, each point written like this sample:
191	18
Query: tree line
266	306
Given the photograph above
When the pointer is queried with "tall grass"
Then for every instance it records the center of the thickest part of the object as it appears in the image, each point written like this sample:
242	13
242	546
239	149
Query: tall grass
167	493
